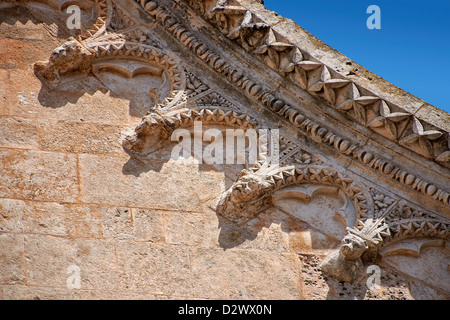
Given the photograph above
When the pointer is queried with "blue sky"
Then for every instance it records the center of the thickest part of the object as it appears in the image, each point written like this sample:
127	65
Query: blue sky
411	50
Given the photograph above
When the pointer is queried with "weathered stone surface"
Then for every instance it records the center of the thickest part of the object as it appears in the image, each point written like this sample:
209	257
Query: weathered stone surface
190	228
72	56
4	92
133	224
35	293
50	218
18	133
149	225
76	137
134	184
19	54
436	272
110	295
48	259
87	181
153	268
37	175
20	216
117	223
84	100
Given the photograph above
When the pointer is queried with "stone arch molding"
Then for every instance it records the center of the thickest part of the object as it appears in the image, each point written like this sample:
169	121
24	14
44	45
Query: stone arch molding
368	232
249	26
103	10
117	56
156	128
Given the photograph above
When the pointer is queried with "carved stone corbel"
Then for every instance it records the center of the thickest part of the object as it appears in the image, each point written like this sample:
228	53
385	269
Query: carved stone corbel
254	189
365	240
345	264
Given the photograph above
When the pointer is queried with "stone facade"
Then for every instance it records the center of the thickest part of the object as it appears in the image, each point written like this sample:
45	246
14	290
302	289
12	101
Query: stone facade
89	189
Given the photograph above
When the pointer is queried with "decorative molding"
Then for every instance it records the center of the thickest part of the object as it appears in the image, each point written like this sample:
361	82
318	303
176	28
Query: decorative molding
74	56
103	8
79	56
380	220
257	37
318	75
105	12
398	222
411	248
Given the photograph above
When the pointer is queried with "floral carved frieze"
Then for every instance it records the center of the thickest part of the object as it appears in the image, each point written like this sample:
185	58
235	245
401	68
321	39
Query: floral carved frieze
98	50
373	221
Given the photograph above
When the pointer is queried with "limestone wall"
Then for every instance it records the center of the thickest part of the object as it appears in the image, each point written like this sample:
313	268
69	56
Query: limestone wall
71	196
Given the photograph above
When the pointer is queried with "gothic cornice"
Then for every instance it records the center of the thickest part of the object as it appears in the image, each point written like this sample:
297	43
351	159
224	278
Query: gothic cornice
316	77
255	187
377	224
379	221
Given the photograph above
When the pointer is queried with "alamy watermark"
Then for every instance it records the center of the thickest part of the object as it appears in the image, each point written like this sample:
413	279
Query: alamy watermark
237	146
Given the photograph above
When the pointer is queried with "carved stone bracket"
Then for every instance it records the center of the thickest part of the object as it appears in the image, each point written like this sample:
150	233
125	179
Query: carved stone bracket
261	39
367	238
255	190
75	56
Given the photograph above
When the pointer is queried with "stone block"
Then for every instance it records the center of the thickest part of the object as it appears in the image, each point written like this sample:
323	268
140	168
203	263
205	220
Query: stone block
18	132
158	185
110	295
83	99
50	218
148	225
190	228
21	216
76	137
117	223
4	92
